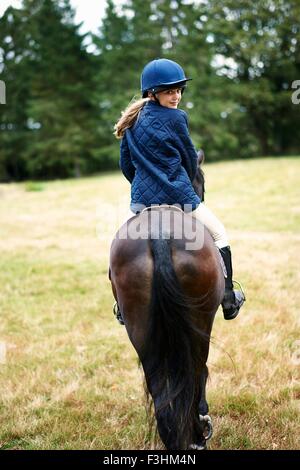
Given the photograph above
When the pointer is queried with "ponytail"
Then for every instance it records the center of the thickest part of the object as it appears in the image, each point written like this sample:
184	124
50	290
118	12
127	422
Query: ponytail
129	116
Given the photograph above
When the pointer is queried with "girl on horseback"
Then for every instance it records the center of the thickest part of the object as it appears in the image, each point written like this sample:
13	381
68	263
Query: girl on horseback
159	159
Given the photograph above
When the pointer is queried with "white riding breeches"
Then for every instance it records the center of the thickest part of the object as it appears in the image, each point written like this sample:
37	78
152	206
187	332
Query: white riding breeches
213	225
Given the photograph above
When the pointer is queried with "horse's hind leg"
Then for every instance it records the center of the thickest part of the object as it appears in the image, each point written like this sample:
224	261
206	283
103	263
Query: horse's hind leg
206	429
203	405
202	427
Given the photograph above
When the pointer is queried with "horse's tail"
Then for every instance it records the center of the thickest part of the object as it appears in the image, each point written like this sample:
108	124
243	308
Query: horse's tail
173	354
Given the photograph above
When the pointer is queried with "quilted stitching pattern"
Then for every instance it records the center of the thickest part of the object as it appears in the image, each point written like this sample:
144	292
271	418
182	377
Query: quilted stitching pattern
159	159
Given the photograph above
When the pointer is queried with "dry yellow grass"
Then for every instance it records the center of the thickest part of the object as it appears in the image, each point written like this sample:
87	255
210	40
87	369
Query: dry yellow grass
68	374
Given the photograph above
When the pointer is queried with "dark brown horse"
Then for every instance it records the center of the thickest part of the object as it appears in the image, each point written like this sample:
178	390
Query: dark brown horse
168	292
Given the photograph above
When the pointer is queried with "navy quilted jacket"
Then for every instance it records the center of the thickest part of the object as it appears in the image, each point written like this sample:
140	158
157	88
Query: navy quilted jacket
159	159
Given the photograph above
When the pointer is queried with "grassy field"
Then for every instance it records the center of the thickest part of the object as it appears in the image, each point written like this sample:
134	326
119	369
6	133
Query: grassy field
68	373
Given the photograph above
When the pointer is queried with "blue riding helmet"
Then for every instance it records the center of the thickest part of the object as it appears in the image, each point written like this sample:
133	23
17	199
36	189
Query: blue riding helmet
161	74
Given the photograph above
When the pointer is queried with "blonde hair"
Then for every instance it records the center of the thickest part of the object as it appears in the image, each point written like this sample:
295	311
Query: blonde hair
129	116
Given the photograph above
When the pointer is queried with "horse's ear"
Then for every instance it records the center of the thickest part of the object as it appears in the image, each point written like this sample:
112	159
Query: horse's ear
201	157
199	182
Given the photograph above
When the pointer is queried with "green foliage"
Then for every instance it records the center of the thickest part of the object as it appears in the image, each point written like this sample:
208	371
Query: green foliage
48	125
64	99
263	40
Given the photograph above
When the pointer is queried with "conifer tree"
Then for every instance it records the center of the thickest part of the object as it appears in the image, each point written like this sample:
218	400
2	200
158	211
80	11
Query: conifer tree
15	71
262	41
50	78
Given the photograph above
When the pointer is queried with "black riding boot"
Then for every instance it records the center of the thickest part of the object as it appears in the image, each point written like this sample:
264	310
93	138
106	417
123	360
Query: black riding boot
233	299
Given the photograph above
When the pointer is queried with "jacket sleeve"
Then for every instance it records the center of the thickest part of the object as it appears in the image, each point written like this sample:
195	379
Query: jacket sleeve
126	164
188	152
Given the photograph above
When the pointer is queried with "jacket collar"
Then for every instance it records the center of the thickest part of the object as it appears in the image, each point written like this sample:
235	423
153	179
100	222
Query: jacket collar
154	103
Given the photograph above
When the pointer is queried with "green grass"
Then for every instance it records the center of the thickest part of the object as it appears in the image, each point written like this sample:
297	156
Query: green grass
69	378
34	186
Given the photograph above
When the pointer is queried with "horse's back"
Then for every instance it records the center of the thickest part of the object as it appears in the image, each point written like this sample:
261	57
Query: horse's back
193	250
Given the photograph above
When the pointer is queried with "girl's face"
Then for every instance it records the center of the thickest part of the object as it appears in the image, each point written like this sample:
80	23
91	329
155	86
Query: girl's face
169	98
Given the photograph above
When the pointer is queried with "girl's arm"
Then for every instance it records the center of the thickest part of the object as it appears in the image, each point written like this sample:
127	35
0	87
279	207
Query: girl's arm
188	153
125	160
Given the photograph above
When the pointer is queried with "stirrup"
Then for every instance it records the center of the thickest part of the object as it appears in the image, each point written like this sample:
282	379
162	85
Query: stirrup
208	432
240	288
231	311
118	314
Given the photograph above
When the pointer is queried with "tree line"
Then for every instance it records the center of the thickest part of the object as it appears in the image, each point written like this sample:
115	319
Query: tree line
65	90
